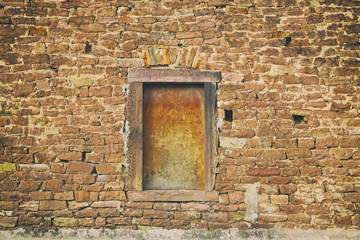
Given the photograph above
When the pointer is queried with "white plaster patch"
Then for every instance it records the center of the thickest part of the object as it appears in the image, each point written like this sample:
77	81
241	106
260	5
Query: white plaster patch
228	142
252	202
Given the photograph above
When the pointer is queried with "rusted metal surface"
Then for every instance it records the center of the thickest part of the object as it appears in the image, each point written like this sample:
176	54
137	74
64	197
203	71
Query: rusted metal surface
173	136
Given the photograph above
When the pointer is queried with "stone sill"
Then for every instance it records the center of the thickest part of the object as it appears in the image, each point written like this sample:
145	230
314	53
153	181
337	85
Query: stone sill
173	196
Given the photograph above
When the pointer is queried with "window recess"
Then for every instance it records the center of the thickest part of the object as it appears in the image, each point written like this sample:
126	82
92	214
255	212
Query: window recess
172	135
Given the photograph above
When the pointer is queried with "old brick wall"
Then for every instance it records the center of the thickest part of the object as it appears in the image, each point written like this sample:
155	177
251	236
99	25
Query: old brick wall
63	70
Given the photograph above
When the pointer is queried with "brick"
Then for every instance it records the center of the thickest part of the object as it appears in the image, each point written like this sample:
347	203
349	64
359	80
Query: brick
299	218
273	154
352	197
236	197
349	142
52	205
291	209
298	153
36	59
131	212
306	143
166	206
83	179
64	196
28	186
106	204
80	167
82	196
23	90
273	217
112	195
279	199
150	213
8	221
310	171
216	217
87	212
71	156
316	209
263	172
53	185
195	206
29	220
119	220
41	195
106	168
299	199
100	221
187	216
38	31
341	153
86	222
8	205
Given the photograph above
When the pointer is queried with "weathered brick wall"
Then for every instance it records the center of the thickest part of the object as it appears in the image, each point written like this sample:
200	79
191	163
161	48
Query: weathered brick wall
63	70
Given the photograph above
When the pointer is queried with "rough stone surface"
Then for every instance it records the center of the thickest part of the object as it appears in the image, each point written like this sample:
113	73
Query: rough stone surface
193	234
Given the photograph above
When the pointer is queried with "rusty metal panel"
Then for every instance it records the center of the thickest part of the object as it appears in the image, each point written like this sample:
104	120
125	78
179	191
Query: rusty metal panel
173	136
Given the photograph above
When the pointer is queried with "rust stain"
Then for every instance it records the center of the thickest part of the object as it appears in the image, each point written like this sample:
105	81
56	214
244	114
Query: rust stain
173	129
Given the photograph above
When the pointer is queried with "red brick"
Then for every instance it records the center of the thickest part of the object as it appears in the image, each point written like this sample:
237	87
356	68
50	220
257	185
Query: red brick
352	197
150	213
25	220
166	206
71	156
291	209
195	206
131	212
8	205
83	179
263	172
236	197
64	196
187	216
273	154
288	188
82	196
52	205
86	222
106	168
310	171
80	167
272	217
41	195
87	212
112	195
299	218
216	217
106	204
28	186
8	221
119	220
53	185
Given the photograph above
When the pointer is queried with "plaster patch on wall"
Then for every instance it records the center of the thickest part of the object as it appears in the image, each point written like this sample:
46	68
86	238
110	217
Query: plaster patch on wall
252	202
126	133
220	124
124	166
228	142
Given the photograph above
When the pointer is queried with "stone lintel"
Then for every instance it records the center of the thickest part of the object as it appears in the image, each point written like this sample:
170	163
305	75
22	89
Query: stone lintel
172	75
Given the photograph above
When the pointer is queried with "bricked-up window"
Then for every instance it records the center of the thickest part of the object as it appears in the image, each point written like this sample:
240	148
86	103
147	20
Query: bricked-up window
172	138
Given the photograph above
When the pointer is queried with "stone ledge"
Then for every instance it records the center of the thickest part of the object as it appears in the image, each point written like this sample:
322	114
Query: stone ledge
156	233
172	75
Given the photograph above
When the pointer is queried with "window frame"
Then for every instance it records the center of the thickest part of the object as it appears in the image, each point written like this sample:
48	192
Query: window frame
134	122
